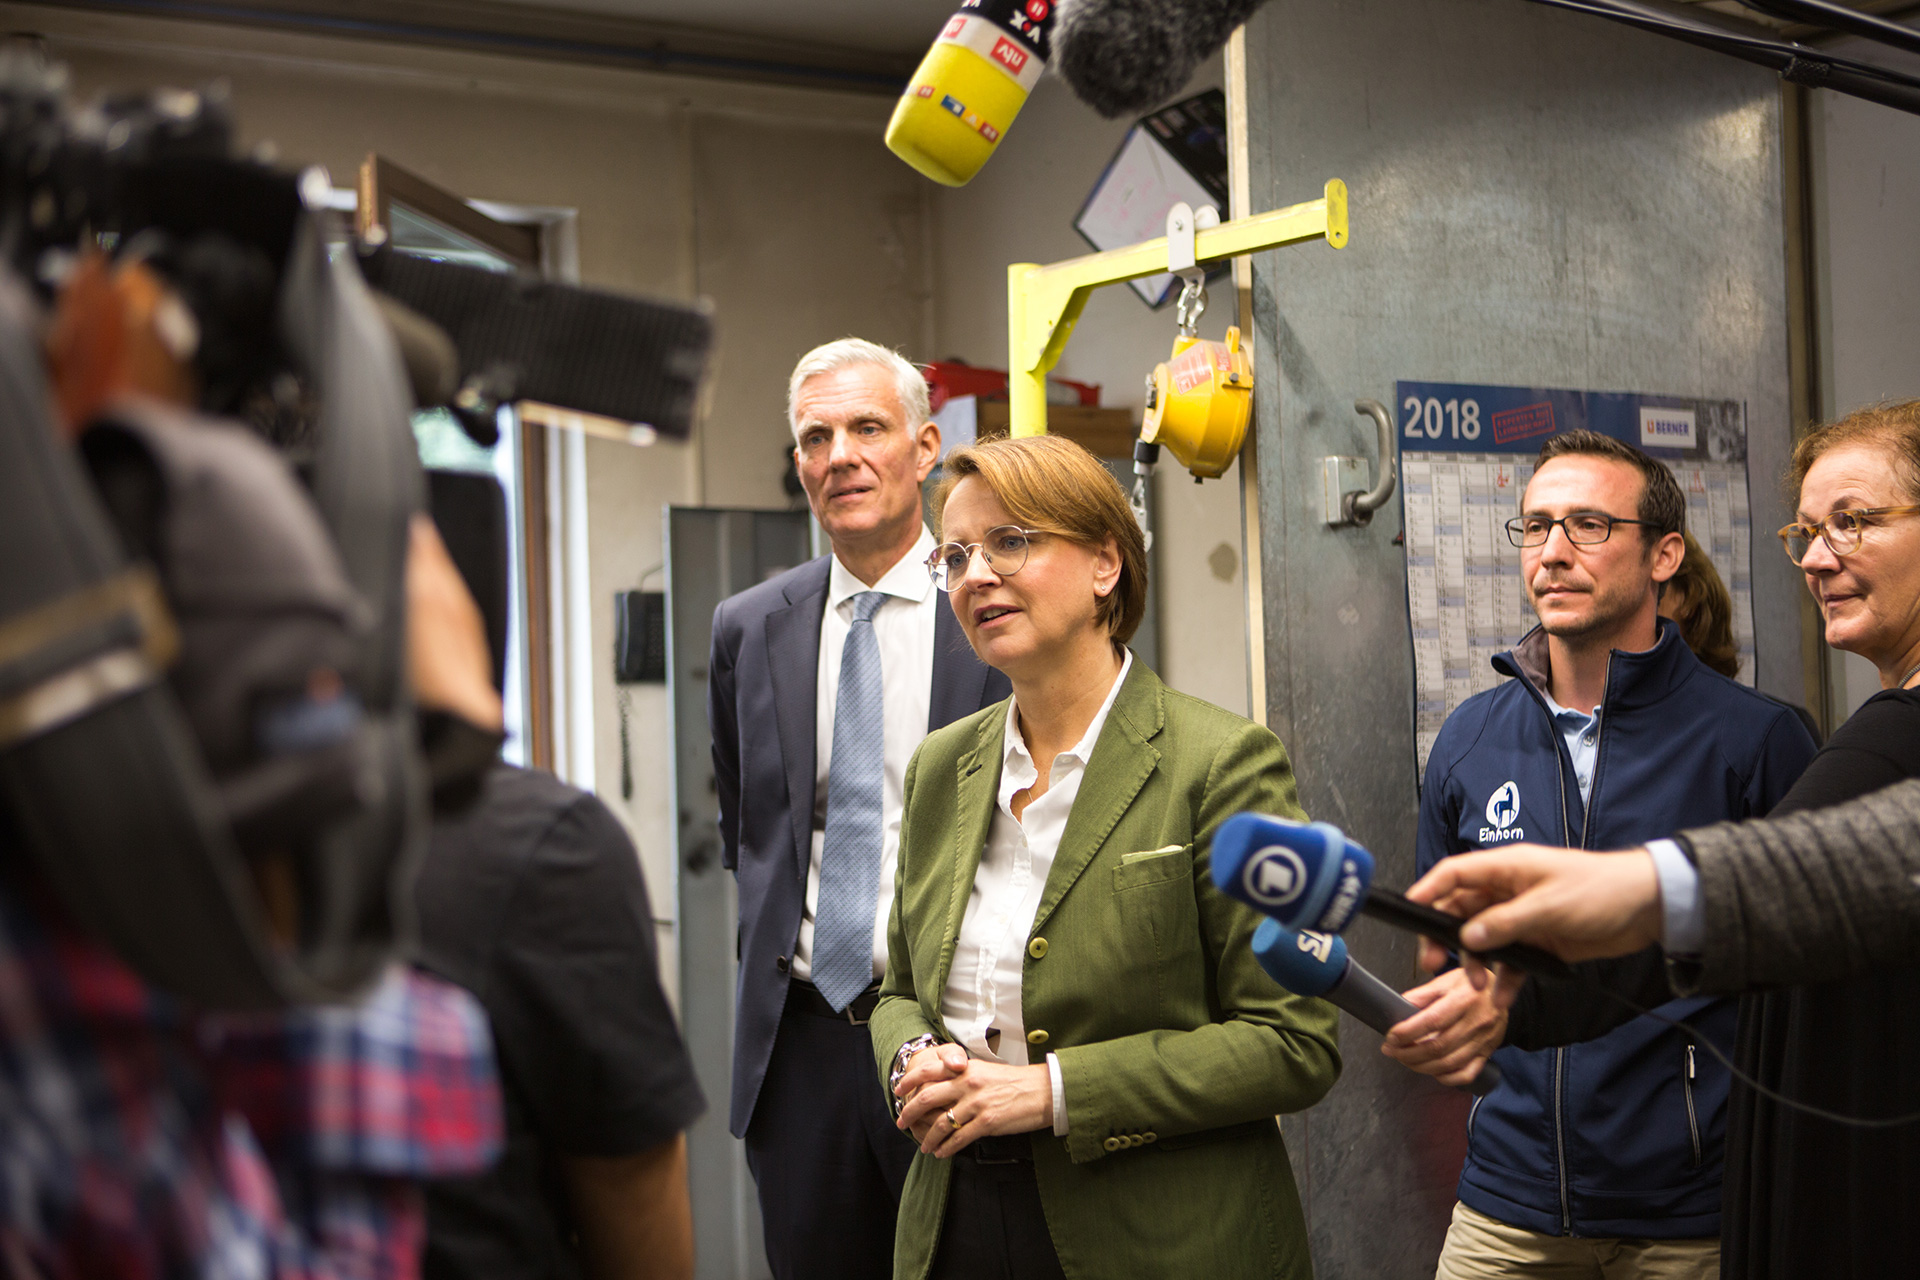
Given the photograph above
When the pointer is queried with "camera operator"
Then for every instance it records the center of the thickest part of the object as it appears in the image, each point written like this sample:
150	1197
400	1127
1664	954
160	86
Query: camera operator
532	899
145	1140
235	664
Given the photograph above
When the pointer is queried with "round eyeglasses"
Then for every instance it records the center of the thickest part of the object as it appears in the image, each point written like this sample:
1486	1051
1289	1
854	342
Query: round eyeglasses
1842	531
1583	529
1005	548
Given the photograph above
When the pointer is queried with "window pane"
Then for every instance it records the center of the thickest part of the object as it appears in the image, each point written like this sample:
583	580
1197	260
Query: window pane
445	446
426	238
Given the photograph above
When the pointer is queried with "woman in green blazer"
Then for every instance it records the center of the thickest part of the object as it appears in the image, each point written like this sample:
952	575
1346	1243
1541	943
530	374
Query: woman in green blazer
1072	1023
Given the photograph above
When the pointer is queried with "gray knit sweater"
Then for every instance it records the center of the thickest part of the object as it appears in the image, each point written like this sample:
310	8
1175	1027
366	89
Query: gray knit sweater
1807	898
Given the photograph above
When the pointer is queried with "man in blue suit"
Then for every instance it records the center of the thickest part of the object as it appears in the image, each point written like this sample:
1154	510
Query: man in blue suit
823	682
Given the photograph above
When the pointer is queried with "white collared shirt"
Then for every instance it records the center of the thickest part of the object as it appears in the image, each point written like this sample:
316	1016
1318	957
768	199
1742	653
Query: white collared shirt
904	629
989	959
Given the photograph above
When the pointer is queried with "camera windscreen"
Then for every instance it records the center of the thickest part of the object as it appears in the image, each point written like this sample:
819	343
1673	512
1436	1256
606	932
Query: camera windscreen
637	360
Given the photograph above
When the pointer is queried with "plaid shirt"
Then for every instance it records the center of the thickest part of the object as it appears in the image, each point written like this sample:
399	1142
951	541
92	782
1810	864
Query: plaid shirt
128	1144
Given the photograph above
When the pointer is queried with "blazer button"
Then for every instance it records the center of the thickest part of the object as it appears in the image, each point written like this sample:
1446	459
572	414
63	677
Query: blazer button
1111	1144
1149	1136
1037	948
1036	1036
782	963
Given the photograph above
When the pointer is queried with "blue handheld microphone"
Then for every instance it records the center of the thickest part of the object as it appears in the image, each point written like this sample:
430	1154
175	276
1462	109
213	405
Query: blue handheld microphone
1317	964
1308	875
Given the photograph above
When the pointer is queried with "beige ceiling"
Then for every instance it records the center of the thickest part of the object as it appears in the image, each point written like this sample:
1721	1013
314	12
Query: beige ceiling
882	26
866	46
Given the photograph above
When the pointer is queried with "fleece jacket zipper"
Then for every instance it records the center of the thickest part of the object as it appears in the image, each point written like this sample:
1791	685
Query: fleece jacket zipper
1586	824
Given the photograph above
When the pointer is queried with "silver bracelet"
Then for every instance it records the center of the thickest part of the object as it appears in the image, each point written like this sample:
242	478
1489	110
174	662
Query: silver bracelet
901	1057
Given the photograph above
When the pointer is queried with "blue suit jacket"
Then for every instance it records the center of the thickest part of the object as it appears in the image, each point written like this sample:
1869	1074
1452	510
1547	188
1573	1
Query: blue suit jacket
760	707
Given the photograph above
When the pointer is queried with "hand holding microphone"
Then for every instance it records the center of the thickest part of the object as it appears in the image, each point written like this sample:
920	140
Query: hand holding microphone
1585	906
1317	964
1308	875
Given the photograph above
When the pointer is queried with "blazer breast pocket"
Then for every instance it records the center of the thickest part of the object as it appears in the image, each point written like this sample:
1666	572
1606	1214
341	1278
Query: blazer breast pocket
1159	925
1152	866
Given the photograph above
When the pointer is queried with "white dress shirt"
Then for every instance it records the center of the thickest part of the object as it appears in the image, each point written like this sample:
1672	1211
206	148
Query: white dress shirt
981	1005
903	627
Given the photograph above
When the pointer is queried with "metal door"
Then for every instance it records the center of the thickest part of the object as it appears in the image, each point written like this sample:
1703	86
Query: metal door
711	554
1538	199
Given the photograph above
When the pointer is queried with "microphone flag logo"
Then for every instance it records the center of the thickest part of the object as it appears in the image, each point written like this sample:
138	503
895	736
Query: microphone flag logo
1503	806
1317	945
1274	877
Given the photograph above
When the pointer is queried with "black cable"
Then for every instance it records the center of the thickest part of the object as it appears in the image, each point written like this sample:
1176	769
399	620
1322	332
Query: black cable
1774	1095
1794	63
626	751
1835	17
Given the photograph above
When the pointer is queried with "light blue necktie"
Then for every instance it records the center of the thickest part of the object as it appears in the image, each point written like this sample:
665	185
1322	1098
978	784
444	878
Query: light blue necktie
850	852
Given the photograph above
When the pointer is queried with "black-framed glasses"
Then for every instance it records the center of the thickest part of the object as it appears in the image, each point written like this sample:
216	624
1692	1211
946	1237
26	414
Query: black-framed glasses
1842	531
1005	548
1583	528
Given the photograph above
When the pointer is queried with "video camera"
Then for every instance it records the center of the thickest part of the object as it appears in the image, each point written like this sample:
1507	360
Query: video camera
208	484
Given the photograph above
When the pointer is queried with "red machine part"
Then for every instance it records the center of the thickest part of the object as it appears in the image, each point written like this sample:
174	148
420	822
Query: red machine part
949	378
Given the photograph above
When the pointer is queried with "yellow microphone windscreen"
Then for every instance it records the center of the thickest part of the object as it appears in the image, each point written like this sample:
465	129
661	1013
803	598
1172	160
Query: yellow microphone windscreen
970	86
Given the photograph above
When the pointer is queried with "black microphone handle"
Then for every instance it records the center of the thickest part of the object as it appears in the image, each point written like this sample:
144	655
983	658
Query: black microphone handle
1379	1006
1388	906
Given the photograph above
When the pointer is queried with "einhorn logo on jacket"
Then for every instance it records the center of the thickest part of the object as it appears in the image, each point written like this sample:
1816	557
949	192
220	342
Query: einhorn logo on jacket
1503	807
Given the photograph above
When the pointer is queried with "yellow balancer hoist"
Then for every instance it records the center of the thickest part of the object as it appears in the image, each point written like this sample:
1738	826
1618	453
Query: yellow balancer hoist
1200	400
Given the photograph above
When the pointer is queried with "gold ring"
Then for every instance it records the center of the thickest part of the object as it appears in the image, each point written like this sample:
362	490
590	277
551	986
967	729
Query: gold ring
951	1120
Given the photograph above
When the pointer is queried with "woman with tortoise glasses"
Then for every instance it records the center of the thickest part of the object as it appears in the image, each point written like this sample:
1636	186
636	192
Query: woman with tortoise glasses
1794	1185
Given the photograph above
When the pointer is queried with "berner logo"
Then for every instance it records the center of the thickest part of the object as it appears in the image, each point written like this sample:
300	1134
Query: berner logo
1503	810
1666	428
1274	876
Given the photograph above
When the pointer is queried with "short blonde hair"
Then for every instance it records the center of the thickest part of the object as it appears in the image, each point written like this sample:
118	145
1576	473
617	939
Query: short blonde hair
1052	485
909	384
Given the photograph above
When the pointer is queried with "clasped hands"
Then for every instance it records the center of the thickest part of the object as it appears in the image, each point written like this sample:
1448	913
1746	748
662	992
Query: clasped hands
950	1099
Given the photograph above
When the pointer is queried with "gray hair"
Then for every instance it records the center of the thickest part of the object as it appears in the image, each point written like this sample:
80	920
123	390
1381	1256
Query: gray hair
909	386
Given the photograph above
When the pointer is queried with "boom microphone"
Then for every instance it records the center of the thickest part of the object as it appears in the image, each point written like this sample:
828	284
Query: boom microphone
1123	57
1308	875
1317	964
970	86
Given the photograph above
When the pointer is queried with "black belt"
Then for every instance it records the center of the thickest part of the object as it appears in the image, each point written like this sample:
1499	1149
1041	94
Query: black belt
806	997
1000	1148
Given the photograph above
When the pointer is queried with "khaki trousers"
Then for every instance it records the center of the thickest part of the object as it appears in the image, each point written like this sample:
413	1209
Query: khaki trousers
1479	1248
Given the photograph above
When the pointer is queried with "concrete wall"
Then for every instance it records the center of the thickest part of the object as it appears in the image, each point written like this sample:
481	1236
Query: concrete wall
1020	209
1866	173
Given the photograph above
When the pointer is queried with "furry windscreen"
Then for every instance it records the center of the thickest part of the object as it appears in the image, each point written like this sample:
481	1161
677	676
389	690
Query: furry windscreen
1125	57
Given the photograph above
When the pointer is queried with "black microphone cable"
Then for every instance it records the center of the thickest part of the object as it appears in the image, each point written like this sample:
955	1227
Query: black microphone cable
1587	979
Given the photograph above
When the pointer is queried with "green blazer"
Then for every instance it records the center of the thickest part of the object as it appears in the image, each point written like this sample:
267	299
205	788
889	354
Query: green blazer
1176	1050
